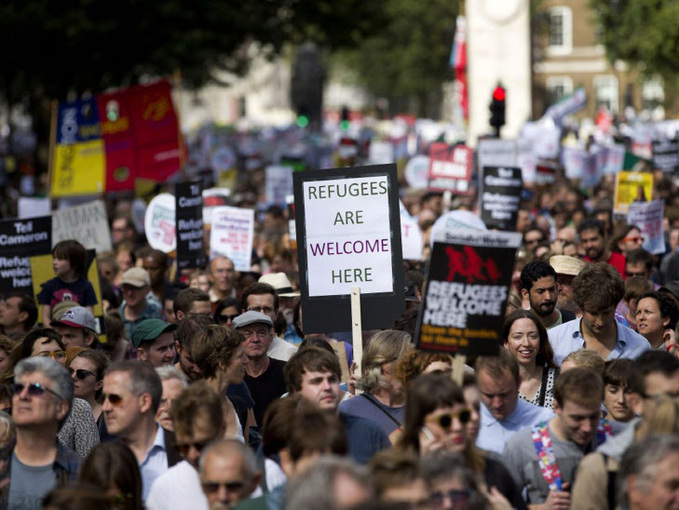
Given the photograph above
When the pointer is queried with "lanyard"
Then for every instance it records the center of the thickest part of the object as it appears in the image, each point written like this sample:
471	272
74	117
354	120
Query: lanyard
545	452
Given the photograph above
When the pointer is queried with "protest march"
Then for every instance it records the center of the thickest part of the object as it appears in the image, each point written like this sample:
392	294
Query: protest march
377	314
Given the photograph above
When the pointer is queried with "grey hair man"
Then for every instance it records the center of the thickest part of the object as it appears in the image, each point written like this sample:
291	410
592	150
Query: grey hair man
650	474
41	398
228	473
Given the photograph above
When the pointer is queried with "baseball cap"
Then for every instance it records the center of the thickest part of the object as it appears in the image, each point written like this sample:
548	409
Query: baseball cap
281	283
251	317
77	317
150	329
137	277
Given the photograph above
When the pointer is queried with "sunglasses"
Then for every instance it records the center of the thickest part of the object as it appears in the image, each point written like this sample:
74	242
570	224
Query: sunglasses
185	448
80	373
34	389
114	399
445	421
223	319
212	487
455	496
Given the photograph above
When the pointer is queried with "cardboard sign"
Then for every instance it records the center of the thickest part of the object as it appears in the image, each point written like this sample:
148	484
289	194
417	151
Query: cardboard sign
349	235
278	183
160	223
450	170
631	187
232	235
189	221
18	240
468	284
87	224
648	216
666	155
500	197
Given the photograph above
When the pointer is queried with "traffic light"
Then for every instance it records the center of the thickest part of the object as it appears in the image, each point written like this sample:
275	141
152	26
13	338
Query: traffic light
497	108
344	122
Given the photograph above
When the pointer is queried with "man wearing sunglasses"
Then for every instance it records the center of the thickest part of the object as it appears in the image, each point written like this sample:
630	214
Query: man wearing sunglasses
132	392
154	341
198	420
41	398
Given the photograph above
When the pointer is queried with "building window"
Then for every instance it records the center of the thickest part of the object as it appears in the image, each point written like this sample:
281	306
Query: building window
652	94
606	93
560	30
558	87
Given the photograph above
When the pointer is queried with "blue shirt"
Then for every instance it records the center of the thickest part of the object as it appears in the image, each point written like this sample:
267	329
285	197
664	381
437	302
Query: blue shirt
154	464
568	338
494	434
153	310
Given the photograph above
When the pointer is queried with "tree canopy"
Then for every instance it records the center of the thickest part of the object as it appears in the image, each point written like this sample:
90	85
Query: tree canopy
643	33
51	48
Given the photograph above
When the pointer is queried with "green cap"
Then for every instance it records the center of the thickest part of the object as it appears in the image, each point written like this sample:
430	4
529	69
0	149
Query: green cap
150	329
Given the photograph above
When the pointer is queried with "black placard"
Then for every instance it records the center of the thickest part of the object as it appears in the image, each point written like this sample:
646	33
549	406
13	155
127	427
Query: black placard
331	313
189	215
467	286
20	239
666	155
500	197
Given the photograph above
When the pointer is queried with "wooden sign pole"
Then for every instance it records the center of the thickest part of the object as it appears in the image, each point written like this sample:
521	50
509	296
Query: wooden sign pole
356	328
458	368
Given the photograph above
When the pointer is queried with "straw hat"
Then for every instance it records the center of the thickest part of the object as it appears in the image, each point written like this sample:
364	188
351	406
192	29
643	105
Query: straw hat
563	264
281	283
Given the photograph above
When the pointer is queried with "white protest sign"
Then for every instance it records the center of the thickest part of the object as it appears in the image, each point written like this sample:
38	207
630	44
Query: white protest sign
87	224
411	235
30	207
348	235
213	197
381	153
159	223
417	172
453	223
648	216
496	152
278	183
232	235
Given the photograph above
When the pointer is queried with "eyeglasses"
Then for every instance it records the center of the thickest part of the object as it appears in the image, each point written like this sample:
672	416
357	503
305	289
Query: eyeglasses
185	448
80	373
56	355
34	389
455	496
261	309
223	319
114	399
212	487
633	239
445	421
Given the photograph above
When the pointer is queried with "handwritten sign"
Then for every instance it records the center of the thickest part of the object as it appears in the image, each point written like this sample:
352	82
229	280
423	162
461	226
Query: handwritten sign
87	223
350	223
232	235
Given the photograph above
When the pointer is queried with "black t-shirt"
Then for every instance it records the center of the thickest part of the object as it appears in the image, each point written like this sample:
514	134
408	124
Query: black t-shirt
267	387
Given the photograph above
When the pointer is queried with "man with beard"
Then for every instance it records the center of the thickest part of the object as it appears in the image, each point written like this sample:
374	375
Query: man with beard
593	242
598	289
539	287
566	268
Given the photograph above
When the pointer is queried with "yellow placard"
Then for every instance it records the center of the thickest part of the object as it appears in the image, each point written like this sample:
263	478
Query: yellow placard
79	169
632	187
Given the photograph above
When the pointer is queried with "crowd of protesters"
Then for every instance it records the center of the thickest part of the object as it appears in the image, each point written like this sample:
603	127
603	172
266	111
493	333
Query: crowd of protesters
207	393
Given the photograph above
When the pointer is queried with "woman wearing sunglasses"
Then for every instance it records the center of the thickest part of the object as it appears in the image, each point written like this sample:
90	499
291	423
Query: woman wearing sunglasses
87	370
435	420
227	310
